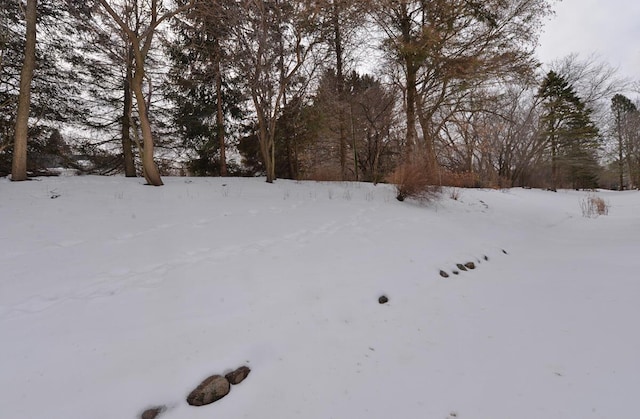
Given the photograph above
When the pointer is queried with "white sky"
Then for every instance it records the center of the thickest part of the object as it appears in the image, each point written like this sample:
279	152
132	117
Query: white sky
609	28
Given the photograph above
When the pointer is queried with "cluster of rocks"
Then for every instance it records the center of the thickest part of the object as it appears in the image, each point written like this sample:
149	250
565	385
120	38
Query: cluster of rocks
460	267
210	390
464	267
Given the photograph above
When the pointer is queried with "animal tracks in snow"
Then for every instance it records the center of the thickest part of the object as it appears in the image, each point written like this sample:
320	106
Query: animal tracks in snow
119	279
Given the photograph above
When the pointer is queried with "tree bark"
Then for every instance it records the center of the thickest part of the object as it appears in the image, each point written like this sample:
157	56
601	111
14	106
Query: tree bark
266	142
554	164
127	144
220	113
19	164
140	46
337	39
427	136
411	96
149	167
620	152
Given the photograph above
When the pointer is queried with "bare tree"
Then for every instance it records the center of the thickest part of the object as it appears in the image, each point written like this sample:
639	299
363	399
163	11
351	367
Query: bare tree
372	118
274	40
141	38
449	48
594	80
342	18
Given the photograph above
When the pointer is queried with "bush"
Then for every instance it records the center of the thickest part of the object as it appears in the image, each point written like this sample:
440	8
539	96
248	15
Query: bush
592	206
323	174
414	180
459	179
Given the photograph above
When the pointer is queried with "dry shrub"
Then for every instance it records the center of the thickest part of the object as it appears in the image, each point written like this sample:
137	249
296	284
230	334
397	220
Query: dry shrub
414	180
324	174
593	206
460	179
454	194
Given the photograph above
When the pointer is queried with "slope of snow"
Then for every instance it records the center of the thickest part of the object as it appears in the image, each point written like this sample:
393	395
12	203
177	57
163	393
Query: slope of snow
115	297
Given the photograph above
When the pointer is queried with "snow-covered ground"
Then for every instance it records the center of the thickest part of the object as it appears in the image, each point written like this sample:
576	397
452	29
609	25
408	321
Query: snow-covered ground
115	297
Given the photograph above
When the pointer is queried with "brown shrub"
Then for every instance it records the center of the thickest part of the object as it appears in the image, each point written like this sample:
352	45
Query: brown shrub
460	179
593	206
414	180
324	174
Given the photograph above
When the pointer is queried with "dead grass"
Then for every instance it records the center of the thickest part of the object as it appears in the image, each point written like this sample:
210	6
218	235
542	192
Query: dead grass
593	206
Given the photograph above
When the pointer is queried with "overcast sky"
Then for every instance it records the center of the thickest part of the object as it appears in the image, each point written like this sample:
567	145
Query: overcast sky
610	28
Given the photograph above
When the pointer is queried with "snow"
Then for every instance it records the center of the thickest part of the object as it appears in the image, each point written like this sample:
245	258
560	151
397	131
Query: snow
116	297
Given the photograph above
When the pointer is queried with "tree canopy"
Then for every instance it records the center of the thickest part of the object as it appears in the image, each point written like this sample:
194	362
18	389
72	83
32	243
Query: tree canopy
326	89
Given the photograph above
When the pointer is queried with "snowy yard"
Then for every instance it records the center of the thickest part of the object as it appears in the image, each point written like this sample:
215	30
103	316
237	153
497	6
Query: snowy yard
116	297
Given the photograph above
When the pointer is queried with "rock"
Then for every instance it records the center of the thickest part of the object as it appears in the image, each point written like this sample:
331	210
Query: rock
470	265
383	300
152	413
238	376
444	274
212	389
461	266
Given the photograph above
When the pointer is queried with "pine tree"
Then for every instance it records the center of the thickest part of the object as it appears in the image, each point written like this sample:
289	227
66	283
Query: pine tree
623	109
569	132
54	89
204	93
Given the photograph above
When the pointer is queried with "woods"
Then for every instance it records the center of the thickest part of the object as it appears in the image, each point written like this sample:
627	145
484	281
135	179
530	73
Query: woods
324	89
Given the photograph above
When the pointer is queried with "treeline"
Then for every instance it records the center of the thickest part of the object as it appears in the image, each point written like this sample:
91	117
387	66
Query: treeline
324	89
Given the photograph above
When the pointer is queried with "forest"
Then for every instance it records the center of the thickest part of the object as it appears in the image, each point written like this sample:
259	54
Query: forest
430	92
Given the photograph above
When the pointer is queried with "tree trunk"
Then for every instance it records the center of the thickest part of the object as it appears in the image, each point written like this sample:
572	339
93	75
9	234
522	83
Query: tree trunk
337	39
620	158
127	144
151	173
554	165
271	173
268	156
19	164
412	93
264	139
427	137
220	113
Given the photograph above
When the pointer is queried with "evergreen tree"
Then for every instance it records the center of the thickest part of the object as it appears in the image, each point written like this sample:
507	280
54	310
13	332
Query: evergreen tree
291	134
54	95
107	70
623	109
207	101
569	132
19	168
